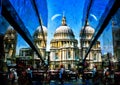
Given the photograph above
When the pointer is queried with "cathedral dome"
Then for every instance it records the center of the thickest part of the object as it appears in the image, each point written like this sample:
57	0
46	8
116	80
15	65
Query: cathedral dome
88	29
38	30
38	33
64	31
10	27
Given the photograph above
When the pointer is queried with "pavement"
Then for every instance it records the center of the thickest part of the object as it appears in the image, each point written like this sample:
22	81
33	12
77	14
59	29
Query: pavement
91	81
71	82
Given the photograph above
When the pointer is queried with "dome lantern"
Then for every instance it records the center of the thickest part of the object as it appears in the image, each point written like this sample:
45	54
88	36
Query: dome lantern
87	23
64	30
64	21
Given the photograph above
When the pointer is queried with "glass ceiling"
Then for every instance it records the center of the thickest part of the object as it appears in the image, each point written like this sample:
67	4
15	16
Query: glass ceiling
50	13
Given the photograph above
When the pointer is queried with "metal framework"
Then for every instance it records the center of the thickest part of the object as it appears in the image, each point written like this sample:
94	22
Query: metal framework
113	10
13	18
39	19
86	20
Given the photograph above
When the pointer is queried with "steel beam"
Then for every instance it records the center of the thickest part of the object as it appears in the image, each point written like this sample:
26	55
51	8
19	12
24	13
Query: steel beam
13	18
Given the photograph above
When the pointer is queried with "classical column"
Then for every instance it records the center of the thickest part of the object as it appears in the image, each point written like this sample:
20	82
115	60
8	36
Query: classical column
64	55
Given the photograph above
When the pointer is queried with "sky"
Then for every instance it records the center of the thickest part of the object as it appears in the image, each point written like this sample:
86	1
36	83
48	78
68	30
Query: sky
51	12
71	9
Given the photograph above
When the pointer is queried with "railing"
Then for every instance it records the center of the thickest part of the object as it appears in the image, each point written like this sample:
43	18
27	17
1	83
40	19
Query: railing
52	75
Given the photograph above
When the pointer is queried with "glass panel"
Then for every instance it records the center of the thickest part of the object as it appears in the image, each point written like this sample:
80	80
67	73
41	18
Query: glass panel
70	15
3	25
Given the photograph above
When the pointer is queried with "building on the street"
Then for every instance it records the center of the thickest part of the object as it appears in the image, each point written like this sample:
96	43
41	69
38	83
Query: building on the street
26	56
64	47
26	53
107	60
10	41
116	41
40	41
94	56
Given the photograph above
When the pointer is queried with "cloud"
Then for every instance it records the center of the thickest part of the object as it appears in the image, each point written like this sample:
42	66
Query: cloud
55	16
93	16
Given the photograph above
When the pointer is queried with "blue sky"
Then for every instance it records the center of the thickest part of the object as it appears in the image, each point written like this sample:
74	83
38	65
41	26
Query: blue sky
72	10
51	12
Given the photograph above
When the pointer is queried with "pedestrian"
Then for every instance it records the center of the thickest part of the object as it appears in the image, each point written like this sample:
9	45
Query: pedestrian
61	74
24	79
29	73
12	77
94	71
105	70
16	76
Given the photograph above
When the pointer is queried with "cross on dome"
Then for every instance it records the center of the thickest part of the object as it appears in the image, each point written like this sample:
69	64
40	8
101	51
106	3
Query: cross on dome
64	20
87	23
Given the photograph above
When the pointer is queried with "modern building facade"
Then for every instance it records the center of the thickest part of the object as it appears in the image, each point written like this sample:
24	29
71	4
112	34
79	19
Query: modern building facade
116	42
26	53
94	56
64	47
26	56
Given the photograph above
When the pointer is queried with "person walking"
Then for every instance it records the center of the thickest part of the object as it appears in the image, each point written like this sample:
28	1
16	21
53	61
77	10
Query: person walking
94	71
61	74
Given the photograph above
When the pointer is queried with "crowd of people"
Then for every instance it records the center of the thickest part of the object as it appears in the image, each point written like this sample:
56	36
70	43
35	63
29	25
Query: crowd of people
25	76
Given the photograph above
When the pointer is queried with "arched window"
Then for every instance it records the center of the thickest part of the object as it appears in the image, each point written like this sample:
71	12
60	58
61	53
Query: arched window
69	54
56	56
94	57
